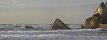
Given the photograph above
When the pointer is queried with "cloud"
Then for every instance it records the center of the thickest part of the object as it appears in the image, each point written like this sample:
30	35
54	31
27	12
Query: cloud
7	1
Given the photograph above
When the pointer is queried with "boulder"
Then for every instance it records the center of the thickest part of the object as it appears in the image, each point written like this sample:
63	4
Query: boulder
58	24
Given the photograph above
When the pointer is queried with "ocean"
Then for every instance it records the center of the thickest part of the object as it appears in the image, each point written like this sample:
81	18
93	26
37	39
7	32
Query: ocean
44	32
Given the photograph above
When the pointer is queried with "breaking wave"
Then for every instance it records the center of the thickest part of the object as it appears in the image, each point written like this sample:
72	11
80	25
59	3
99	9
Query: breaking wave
44	32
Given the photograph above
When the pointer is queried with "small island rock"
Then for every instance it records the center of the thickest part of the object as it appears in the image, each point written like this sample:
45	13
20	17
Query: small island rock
58	24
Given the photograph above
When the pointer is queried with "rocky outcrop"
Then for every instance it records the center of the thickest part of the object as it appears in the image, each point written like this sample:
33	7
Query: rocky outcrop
102	10
28	27
58	24
93	22
99	18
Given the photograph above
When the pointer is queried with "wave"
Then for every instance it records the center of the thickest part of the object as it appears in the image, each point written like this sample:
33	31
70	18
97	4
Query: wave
35	26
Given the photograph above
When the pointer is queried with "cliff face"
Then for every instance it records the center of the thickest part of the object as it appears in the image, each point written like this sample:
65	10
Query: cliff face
58	24
93	22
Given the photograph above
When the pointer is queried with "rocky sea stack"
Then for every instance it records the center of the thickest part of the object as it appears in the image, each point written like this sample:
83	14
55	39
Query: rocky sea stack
58	24
99	19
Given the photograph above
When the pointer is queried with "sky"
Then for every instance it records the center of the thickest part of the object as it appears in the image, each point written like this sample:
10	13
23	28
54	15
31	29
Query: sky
46	11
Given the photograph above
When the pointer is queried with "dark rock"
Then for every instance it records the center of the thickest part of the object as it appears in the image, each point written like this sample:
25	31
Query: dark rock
28	27
103	13
82	27
104	20
58	24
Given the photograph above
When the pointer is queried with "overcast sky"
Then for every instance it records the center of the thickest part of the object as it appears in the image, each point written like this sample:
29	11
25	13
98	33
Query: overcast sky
46	11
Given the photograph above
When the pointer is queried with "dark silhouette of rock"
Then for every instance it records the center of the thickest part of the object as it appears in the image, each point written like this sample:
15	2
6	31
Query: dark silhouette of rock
58	24
28	27
104	20
93	22
82	27
104	14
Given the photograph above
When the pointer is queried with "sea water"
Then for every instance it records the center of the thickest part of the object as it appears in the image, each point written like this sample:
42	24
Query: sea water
44	32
